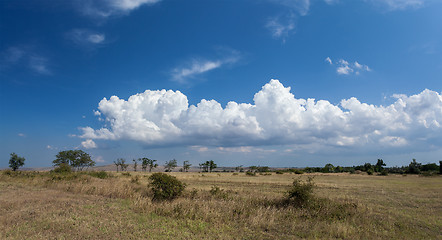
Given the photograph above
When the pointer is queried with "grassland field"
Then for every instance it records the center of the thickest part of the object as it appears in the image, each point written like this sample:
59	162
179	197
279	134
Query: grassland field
41	205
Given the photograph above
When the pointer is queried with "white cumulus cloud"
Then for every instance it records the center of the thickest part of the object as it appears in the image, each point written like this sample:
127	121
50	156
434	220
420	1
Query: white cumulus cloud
276	117
88	144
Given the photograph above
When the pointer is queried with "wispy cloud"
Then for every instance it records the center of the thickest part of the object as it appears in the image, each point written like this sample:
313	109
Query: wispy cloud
299	6
17	56
281	28
196	67
343	67
39	64
86	37
107	8
393	5
284	24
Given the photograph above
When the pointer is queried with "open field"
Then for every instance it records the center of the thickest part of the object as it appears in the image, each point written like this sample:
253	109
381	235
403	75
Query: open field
347	206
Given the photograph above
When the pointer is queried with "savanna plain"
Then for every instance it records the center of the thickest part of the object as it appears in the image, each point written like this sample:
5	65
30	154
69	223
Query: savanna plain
111	205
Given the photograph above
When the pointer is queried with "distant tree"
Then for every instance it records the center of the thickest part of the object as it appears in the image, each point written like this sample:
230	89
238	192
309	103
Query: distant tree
186	166
379	165
368	167
117	163
208	166
170	165
151	164
429	167
123	164
135	164
253	169
212	165
77	159
414	167
15	162
239	168
328	168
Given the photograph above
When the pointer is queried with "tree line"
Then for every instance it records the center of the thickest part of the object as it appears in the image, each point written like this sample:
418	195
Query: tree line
78	160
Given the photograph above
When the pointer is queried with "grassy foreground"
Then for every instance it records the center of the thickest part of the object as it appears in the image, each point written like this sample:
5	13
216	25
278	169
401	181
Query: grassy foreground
219	206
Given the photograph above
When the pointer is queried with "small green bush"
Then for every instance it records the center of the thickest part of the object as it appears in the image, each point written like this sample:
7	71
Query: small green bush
165	187
100	174
370	172
250	173
301	192
126	174
62	168
384	172
279	172
297	171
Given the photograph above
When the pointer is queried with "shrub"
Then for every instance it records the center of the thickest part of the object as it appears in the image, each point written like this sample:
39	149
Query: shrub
165	187
370	171
218	192
301	192
250	173
279	172
100	174
384	172
135	179
63	168
297	171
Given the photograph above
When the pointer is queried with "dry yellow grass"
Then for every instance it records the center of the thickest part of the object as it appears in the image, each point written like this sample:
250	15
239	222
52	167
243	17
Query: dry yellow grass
350	207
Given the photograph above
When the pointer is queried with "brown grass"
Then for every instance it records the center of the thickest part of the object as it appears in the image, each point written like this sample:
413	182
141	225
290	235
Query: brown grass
244	207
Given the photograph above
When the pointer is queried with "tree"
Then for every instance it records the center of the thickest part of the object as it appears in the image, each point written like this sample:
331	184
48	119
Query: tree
368	167
15	162
123	164
212	165
117	163
239	168
186	166
170	165
146	162
379	165
414	167
135	164
77	159
328	168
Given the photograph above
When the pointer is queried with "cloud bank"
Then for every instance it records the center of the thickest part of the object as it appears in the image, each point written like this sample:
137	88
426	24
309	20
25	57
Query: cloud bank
164	118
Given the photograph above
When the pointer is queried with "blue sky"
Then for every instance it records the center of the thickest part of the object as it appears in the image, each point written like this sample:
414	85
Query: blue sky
268	82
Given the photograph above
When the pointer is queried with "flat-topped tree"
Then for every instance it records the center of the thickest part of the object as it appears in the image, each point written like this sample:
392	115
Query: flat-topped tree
146	162
186	166
170	165
76	159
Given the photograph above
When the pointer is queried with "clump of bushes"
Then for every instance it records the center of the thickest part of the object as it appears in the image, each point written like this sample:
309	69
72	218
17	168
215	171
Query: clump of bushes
250	173
279	172
218	192
165	187
301	192
100	174
62	168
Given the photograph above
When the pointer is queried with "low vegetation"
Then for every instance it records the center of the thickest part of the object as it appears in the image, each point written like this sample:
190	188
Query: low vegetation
109	205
